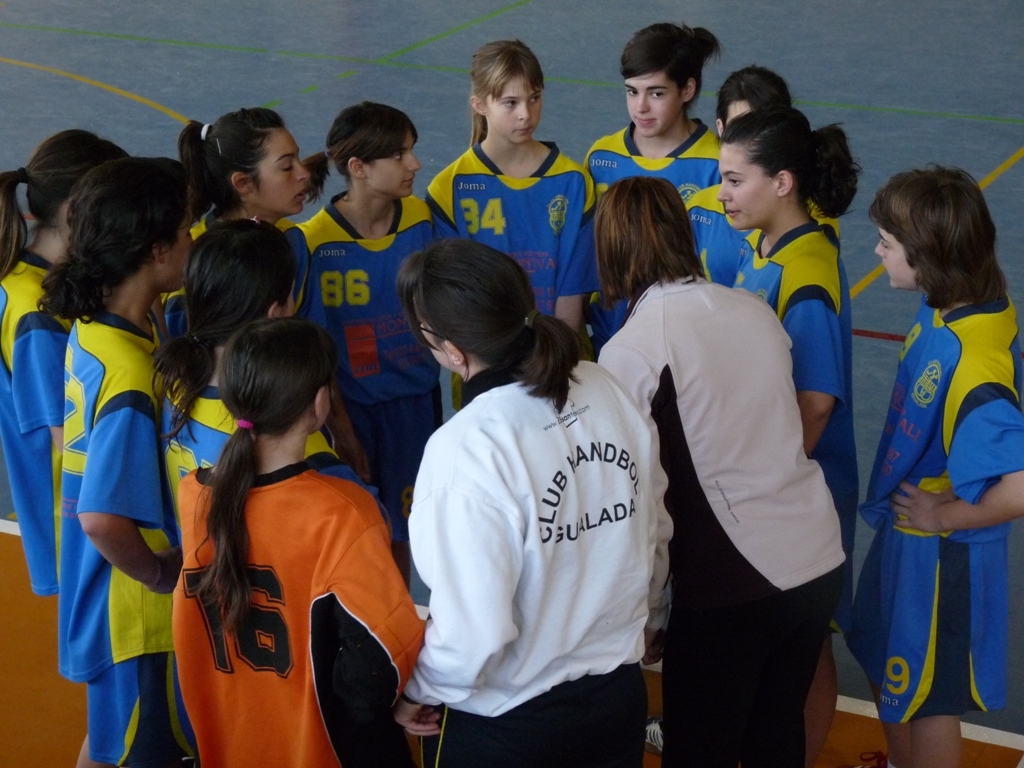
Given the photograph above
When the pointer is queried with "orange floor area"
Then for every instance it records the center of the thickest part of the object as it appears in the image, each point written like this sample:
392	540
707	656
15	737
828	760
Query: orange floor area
43	718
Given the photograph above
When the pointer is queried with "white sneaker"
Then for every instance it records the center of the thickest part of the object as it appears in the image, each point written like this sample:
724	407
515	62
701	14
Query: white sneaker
655	738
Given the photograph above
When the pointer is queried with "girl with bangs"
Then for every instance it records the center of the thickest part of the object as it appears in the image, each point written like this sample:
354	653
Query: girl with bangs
355	246
516	194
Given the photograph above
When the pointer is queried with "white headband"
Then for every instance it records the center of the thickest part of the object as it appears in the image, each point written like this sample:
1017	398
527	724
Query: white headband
206	130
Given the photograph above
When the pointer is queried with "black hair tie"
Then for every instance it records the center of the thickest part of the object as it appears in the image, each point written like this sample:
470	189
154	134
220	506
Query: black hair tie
199	342
22	176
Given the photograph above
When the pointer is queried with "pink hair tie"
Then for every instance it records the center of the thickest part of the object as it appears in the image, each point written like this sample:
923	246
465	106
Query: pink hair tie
245	424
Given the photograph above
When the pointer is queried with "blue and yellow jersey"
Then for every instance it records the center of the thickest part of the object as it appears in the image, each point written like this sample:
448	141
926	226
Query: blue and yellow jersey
350	291
691	167
804	281
112	465
31	401
174	303
954	420
719	243
545	221
199	442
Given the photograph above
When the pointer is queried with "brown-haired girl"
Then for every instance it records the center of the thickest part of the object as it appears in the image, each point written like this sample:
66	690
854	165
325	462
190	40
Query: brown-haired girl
756	554
32	343
776	172
119	558
246	165
930	616
662	67
515	193
288	581
355	246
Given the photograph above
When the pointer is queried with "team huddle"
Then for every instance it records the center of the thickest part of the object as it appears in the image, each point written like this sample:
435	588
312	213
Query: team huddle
223	431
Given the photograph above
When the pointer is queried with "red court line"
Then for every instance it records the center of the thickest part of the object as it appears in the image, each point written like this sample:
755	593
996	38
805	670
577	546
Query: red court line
878	335
887	336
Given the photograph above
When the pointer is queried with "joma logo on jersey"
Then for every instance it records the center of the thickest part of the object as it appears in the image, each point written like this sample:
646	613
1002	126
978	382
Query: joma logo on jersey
596	163
686	191
556	212
471	186
927	384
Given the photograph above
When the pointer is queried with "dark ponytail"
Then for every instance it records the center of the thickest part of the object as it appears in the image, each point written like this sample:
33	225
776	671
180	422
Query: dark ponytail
481	301
51	172
236	272
235	143
780	139
269	377
116	214
366	131
677	50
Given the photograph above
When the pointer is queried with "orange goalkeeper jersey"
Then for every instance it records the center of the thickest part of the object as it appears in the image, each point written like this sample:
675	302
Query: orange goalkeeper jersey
330	639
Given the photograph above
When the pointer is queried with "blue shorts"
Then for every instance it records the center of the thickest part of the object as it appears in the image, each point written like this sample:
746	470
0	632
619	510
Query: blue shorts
136	714
930	624
394	434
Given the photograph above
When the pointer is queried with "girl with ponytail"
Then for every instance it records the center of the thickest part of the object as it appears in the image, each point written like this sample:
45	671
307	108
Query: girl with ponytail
119	553
775	171
538	500
288	572
355	246
239	271
517	194
246	165
32	344
662	66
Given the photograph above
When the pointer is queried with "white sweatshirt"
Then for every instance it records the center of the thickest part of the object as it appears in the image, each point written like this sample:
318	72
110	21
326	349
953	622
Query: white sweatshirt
543	538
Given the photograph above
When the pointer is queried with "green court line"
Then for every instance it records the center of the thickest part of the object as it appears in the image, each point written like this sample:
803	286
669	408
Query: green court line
343	75
271	104
905	111
454	30
389	61
310	89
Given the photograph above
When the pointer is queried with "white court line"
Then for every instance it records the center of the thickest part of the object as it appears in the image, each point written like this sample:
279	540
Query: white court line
969	730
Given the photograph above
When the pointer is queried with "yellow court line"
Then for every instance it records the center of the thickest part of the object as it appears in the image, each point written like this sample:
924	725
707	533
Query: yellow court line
1002	168
98	84
867	280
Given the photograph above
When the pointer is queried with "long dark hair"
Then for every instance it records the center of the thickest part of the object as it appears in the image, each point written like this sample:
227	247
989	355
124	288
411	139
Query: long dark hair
269	377
780	138
479	299
367	131
51	172
235	273
677	50
117	213
235	143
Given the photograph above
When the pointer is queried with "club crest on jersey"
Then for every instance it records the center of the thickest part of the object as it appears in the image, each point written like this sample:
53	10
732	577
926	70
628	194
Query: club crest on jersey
556	212
927	384
686	191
